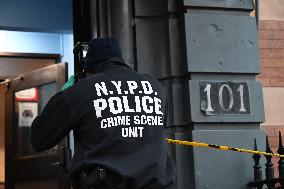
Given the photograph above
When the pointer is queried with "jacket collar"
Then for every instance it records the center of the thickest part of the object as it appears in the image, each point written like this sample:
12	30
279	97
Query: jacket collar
117	64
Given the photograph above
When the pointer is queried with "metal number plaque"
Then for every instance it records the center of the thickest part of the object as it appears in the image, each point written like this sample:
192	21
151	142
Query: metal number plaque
224	98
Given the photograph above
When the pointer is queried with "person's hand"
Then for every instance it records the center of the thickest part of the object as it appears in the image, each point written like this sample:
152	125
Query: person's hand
69	83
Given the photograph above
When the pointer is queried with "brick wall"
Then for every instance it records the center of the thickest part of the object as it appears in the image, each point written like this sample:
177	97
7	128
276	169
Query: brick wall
271	47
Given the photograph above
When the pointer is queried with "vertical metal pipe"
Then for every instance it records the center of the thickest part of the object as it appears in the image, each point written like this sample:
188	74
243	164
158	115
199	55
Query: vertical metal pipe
122	27
109	17
81	25
134	42
104	18
93	18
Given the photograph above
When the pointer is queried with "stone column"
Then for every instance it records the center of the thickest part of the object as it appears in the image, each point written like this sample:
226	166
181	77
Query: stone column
226	103
206	55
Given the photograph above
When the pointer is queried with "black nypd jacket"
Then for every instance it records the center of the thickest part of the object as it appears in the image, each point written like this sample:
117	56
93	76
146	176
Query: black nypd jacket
118	118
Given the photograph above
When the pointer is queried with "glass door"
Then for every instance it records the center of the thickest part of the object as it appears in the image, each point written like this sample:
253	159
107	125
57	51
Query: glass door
26	98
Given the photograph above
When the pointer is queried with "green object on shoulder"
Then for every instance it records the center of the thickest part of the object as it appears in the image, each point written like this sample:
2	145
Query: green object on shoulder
69	83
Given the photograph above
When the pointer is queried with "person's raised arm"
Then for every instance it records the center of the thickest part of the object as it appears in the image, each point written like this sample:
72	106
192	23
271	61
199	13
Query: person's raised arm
52	125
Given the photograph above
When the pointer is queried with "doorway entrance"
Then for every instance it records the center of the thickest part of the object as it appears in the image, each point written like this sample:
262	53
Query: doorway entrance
24	98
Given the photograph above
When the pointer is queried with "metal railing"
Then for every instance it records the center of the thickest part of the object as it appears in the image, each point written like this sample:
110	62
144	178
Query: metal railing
270	181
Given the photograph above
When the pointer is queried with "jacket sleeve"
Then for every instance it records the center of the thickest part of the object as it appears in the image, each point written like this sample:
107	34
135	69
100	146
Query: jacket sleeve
52	125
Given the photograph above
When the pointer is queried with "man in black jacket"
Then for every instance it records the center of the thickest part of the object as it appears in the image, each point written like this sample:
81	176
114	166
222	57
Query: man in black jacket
118	119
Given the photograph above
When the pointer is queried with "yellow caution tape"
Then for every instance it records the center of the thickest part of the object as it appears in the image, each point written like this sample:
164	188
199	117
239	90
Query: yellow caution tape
217	147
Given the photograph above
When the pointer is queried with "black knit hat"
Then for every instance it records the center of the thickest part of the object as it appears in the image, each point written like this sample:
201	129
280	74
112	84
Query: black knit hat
101	50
